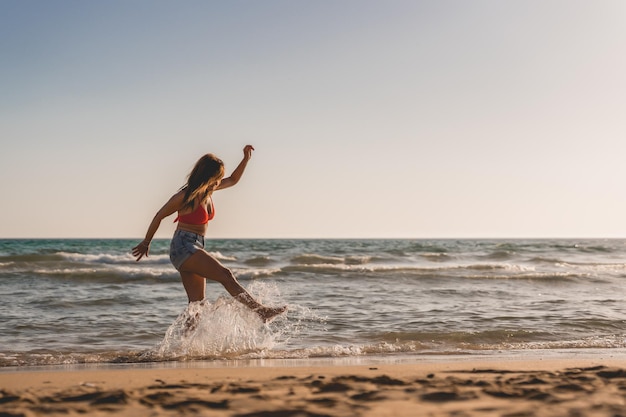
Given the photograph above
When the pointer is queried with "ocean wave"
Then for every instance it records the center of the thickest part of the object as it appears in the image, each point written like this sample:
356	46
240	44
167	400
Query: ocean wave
92	268
99	258
126	257
106	274
500	255
491	337
545	276
440	264
220	257
122	273
590	266
31	258
105	258
489	271
595	342
245	274
311	259
543	260
314	259
595	248
494	267
436	257
426	247
259	261
20	359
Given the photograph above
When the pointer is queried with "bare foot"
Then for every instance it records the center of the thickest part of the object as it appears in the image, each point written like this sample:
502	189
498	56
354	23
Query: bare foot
268	313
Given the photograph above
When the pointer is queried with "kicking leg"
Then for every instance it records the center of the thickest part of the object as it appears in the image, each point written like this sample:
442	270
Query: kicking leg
204	265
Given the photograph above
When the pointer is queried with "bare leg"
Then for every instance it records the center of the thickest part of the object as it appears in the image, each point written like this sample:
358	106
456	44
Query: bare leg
201	264
194	285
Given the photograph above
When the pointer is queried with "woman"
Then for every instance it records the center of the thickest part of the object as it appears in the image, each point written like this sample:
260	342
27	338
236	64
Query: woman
194	205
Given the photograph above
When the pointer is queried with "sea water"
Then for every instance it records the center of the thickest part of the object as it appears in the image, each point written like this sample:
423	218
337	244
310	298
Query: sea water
88	301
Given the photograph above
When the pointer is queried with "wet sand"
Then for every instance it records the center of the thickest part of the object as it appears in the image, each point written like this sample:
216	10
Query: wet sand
454	387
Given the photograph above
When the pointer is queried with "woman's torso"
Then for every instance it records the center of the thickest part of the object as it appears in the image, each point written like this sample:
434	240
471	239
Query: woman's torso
196	219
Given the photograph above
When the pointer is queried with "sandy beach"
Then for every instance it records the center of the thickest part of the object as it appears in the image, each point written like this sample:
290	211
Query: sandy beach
453	387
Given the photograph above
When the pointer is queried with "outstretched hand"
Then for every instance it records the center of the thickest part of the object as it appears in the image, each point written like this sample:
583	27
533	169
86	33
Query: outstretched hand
141	250
247	151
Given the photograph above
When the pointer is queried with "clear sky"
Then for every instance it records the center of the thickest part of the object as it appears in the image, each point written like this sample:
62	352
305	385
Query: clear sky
370	118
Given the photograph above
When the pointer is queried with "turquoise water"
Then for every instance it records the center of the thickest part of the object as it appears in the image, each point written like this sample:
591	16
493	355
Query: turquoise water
88	301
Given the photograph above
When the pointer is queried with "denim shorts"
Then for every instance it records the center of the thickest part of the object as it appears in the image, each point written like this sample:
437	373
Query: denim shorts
183	245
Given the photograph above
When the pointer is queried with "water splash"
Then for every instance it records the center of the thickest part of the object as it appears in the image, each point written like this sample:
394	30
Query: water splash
214	330
223	329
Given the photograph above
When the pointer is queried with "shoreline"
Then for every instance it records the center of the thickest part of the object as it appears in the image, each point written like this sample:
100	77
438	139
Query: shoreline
428	357
527	384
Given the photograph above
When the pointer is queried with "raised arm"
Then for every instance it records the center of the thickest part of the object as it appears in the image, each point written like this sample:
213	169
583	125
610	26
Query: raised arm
172	205
238	172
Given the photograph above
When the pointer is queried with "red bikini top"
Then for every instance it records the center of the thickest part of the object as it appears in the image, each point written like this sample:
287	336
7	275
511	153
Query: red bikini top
199	216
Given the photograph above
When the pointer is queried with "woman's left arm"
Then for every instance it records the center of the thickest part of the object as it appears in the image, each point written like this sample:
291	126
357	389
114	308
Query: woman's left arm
238	172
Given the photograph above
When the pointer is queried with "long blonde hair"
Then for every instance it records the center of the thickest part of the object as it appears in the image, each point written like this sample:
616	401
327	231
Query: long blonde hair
206	173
